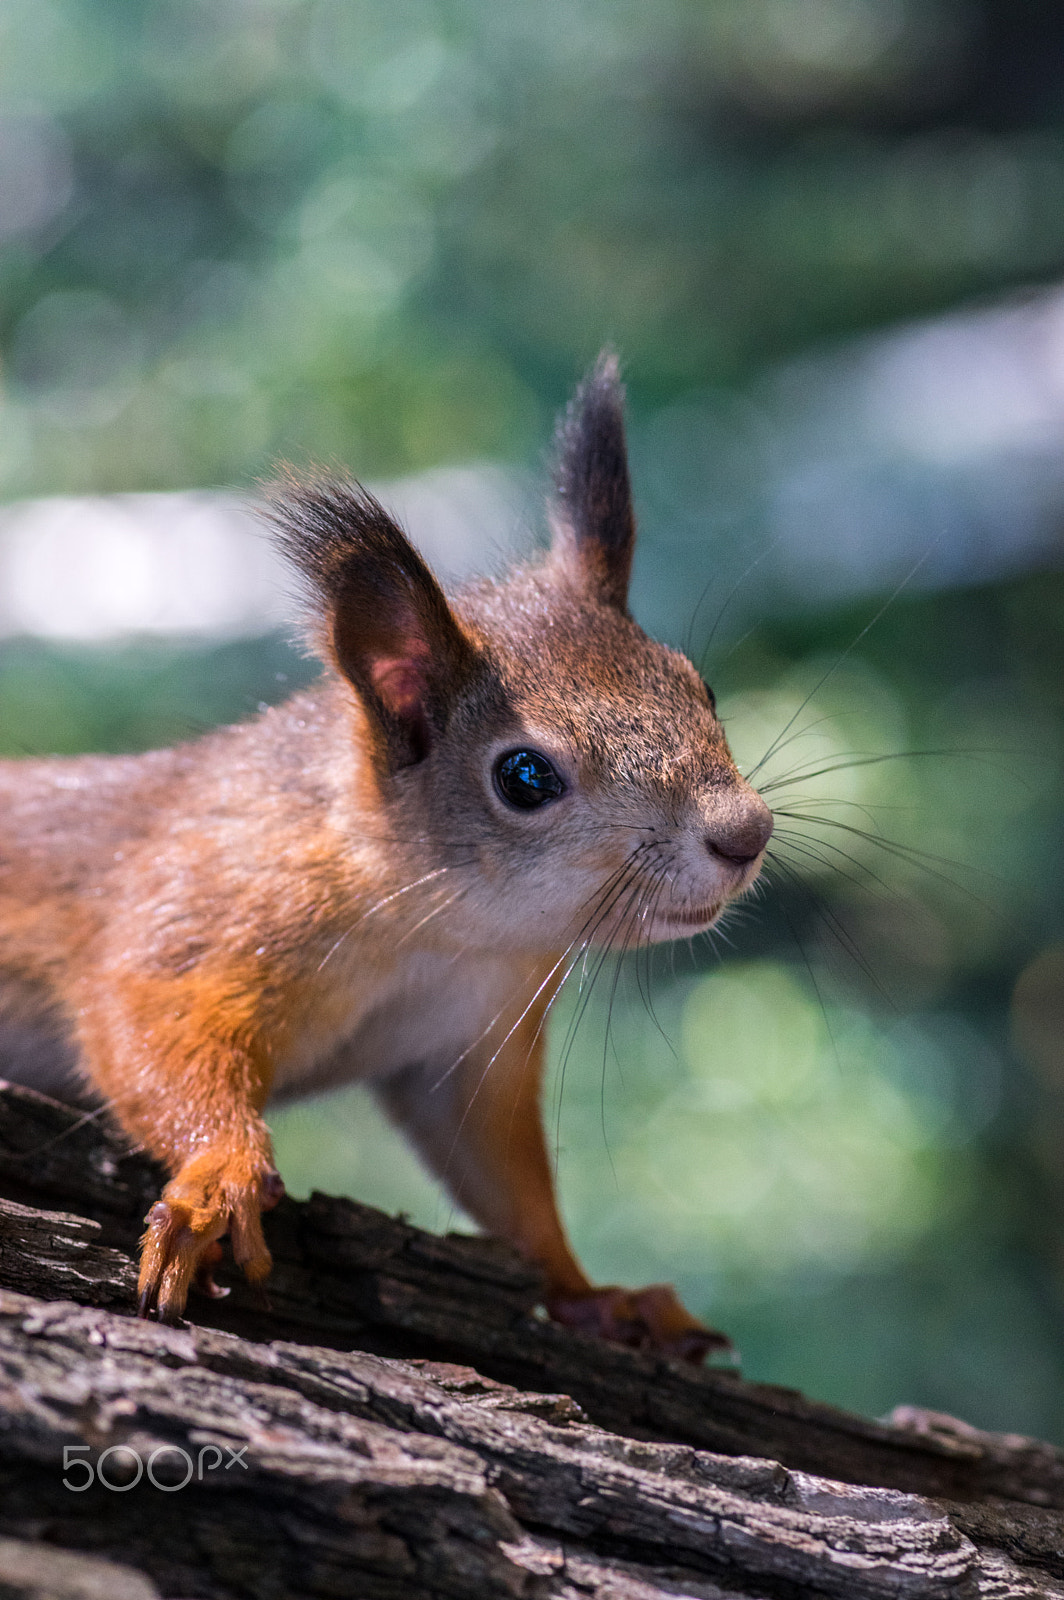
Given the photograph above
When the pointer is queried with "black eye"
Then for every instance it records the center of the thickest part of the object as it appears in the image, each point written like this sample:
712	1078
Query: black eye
712	696
526	779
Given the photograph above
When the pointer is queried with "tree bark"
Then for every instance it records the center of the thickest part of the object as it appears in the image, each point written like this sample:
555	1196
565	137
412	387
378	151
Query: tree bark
396	1419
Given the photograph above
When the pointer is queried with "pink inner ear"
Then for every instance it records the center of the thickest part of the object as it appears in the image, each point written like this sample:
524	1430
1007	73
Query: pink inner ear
400	682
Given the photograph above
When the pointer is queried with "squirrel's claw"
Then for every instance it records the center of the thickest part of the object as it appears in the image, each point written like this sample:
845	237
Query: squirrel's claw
178	1237
180	1246
651	1319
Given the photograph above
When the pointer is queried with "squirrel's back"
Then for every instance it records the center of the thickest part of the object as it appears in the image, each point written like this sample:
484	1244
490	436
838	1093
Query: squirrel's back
62	820
90	841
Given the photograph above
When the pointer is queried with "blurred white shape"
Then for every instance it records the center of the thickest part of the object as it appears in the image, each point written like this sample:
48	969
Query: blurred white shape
115	565
950	391
938	445
202	563
464	519
928	455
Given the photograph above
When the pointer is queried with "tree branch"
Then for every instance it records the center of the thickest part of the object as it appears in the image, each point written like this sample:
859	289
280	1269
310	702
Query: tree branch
398	1421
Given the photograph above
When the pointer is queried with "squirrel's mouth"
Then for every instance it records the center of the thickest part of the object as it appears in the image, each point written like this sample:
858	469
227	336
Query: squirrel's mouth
696	918
665	924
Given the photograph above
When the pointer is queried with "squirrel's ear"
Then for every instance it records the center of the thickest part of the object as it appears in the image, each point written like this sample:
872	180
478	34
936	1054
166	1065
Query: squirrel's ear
378	613
591	511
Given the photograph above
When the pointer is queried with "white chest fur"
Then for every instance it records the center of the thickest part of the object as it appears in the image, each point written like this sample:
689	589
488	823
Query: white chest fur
429	1009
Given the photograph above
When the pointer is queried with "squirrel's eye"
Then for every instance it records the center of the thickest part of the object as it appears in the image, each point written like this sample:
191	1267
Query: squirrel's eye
712	696
526	779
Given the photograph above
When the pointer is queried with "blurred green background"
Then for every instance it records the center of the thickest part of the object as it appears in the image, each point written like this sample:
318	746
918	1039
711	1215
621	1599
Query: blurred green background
825	236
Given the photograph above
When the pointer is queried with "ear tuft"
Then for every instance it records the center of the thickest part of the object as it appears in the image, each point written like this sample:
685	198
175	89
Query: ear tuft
592	516
377	612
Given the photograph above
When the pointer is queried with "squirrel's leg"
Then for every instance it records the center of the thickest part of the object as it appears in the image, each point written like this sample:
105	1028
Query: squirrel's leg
480	1128
223	1190
195	1104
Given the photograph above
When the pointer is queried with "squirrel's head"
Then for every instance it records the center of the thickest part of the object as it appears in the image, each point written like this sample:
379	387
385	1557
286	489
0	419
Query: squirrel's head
571	770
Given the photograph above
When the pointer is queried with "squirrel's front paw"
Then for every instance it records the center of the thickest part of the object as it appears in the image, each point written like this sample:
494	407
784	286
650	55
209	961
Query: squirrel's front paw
214	1194
650	1319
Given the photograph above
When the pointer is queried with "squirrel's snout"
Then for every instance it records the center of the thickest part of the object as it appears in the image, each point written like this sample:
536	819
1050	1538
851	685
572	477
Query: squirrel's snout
741	836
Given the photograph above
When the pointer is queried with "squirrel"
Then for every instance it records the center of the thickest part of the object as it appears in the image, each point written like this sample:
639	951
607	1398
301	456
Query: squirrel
387	877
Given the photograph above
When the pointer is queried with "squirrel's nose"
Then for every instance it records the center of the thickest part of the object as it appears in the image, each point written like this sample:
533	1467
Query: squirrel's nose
741	836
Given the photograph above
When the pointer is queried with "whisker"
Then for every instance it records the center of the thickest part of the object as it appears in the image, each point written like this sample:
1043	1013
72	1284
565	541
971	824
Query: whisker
834	924
803	952
587	983
631	903
631	930
848	764
925	859
601	907
593	923
689	631
456	894
866	808
799	733
364	916
850	648
730	596
598	913
649	913
813	848
583	1000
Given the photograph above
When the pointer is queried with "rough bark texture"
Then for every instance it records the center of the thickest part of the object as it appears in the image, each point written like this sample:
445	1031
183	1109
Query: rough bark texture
397	1421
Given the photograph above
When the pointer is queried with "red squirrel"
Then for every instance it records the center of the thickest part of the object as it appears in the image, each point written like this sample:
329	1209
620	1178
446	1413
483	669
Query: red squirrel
385	878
